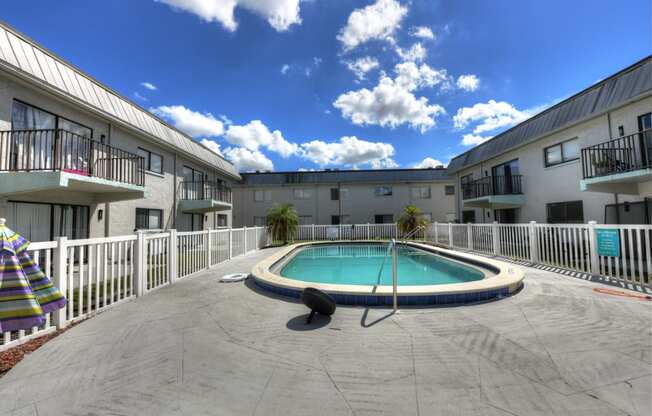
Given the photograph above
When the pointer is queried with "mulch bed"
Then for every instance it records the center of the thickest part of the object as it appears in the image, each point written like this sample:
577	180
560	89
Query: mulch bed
12	356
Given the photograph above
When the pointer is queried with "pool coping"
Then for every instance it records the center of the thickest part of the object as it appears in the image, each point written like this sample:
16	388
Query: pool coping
507	280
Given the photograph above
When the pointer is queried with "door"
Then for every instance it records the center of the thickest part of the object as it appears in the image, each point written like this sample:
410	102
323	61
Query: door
505	177
645	137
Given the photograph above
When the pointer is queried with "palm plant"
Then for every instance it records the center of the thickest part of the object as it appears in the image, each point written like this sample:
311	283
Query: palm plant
282	222
411	219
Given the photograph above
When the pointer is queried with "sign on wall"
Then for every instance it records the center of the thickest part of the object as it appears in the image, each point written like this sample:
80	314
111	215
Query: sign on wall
608	241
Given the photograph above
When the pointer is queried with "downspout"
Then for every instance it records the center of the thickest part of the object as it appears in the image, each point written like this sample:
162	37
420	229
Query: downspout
107	206
174	192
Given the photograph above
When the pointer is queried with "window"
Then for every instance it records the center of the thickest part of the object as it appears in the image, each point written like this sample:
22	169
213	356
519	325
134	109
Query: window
420	192
153	161
149	219
262	195
339	193
565	212
260	221
505	216
383	191
645	122
340	219
621	131
383	218
562	152
44	222
302	193
192	222
506	178
222	220
468	216
449	190
305	219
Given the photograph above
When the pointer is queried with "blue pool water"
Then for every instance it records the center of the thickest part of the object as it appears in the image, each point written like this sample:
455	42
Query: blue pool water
360	264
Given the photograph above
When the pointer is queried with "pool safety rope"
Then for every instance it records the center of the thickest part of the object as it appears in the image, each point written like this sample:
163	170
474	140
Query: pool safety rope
621	293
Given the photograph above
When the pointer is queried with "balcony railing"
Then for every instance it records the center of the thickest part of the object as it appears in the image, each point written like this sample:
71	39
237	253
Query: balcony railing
492	185
624	154
203	190
61	150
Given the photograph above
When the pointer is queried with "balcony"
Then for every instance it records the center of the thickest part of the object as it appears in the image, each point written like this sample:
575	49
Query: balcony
622	165
203	196
51	160
495	192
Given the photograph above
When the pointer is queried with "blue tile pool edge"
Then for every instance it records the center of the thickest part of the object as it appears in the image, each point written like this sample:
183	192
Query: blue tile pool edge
403	300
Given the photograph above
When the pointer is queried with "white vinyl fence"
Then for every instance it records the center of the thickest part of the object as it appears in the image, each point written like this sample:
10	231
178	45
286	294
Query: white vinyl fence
564	246
98	273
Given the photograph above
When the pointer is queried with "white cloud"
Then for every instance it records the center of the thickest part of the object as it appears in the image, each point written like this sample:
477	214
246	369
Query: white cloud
412	76
429	163
140	97
361	66
468	82
285	68
280	14
388	163
416	53
248	160
212	145
422	32
473	139
392	102
490	116
149	86
378	21
255	134
349	151
191	122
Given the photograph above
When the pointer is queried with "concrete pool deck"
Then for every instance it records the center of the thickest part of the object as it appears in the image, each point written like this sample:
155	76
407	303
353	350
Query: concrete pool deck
204	348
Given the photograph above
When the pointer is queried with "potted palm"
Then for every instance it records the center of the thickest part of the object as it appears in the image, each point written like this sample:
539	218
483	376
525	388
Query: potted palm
282	222
411	219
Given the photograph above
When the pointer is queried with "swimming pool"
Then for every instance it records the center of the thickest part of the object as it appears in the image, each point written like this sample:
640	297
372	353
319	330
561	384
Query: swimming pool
359	273
371	264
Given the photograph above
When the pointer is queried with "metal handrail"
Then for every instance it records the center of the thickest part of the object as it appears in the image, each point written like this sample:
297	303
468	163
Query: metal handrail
411	233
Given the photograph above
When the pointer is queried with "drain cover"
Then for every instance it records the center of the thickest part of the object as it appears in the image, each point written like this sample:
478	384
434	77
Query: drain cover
234	277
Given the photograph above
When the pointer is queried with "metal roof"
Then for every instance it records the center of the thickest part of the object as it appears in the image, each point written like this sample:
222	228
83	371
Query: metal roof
345	176
612	92
24	56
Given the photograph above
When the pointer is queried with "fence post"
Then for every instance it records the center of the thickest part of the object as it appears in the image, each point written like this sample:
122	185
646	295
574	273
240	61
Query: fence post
450	234
173	264
59	279
368	232
534	247
496	240
209	250
230	243
593	246
140	259
245	238
436	233
469	231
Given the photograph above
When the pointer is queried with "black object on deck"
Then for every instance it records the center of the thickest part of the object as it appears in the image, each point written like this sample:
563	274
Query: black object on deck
317	301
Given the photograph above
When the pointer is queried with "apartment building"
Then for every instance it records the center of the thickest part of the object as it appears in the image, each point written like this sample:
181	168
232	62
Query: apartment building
345	196
79	160
588	157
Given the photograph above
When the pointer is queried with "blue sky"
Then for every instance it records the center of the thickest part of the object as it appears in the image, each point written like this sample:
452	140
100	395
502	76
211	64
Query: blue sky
290	84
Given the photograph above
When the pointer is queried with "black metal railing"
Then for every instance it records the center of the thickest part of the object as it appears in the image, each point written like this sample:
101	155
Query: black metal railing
492	185
203	190
61	150
624	154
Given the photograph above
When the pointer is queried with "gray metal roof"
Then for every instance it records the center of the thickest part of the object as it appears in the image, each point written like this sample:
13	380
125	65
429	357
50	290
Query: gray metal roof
612	92
21	54
345	176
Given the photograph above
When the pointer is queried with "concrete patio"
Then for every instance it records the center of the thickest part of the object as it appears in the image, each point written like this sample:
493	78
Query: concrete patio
204	348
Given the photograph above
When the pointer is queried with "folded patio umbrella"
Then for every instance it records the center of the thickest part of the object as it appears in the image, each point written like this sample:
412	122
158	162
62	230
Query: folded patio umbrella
26	293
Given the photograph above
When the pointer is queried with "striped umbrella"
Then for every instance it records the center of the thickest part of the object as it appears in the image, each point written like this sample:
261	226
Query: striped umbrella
26	293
